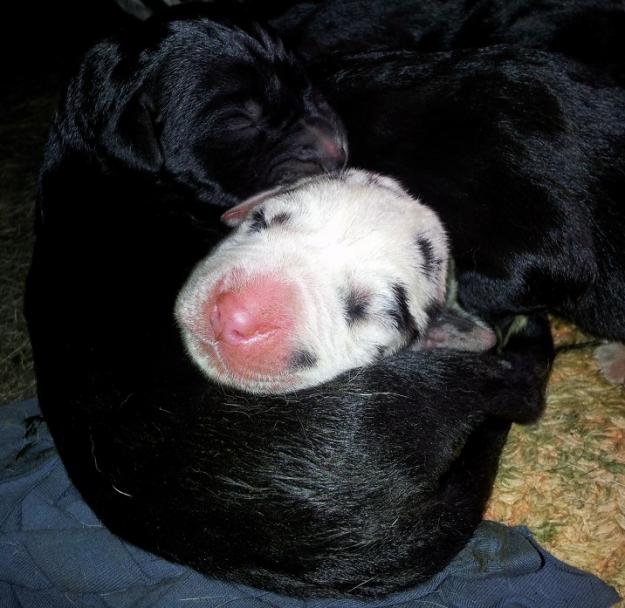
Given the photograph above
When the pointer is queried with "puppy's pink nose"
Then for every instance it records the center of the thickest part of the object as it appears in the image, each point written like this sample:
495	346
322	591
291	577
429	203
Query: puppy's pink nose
240	317
253	324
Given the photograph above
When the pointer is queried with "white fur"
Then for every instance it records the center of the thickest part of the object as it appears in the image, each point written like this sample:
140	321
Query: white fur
357	230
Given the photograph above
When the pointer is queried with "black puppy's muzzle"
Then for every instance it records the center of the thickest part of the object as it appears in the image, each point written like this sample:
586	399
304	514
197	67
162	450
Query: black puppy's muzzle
325	142
320	146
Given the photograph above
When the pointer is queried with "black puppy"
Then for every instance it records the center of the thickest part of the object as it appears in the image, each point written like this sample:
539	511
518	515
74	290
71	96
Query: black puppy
363	486
184	100
522	154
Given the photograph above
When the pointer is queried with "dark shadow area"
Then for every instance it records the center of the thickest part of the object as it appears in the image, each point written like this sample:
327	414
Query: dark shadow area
40	43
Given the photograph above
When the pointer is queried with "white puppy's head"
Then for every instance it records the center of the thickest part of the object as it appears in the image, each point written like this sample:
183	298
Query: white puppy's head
316	279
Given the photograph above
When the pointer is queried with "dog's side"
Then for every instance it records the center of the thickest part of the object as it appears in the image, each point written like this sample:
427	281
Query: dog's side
362	486
521	153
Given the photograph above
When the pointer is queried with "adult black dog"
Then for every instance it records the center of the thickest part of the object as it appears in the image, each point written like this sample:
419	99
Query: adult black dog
363	486
521	152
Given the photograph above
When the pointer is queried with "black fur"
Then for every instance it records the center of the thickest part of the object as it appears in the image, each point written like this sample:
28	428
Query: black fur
364	486
590	31
259	222
521	152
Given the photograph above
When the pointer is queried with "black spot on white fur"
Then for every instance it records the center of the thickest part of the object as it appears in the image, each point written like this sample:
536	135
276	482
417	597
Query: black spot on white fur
356	306
430	261
259	222
302	359
400	313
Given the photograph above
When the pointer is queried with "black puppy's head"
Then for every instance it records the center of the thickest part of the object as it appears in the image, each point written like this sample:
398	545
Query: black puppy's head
211	103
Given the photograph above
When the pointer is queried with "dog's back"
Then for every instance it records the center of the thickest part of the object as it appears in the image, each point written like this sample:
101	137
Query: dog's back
522	155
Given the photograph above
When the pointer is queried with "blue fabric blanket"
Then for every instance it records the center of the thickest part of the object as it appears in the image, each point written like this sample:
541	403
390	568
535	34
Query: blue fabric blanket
54	553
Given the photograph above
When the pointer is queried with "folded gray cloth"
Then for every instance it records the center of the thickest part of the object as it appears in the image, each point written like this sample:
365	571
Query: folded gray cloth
54	553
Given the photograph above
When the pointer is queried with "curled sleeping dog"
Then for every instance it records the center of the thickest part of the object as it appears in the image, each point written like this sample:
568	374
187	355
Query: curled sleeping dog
328	275
362	486
521	153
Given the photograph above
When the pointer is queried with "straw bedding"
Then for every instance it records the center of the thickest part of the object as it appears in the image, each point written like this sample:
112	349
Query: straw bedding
564	478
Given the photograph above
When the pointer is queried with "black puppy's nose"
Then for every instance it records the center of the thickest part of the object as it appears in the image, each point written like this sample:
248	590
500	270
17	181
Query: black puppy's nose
327	144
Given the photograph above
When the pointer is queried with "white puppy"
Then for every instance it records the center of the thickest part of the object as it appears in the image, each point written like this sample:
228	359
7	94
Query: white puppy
316	279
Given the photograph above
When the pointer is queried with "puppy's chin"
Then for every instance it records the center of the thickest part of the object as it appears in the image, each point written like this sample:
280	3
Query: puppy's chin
208	359
292	173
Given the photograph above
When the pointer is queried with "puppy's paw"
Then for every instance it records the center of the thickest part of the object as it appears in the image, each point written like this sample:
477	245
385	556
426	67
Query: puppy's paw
611	361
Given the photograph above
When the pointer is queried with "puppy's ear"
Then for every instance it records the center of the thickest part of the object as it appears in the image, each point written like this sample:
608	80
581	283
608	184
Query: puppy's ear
237	214
134	136
108	108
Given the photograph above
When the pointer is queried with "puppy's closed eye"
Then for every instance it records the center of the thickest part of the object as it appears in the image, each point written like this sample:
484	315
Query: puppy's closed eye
238	122
243	116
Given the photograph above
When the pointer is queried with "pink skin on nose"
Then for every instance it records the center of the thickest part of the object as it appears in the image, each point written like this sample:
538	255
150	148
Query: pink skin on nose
252	325
238	319
329	145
